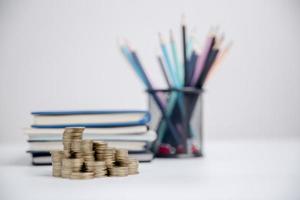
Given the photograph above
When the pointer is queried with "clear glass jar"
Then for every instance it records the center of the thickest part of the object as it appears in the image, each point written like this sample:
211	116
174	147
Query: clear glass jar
178	122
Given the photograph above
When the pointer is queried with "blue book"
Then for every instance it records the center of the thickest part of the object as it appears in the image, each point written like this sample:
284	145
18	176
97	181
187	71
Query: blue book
89	119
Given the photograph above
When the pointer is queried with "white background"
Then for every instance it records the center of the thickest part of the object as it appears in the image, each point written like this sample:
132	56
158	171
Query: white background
58	55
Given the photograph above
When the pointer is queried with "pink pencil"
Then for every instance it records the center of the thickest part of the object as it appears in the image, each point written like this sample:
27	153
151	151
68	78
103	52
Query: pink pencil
201	60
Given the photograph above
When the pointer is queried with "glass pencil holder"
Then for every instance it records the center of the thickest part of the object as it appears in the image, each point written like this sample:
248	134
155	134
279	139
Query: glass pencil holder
177	118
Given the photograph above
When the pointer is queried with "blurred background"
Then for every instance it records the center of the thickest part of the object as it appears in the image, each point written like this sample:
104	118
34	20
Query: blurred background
63	55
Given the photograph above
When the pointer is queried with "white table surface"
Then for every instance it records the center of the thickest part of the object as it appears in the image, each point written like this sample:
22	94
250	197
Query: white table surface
255	169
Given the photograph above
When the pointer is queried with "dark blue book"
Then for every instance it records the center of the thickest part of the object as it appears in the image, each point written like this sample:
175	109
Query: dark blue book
89	119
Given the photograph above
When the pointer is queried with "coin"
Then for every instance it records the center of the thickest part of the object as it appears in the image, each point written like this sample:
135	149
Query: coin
86	146
100	169
74	130
133	165
118	171
56	157
82	175
89	166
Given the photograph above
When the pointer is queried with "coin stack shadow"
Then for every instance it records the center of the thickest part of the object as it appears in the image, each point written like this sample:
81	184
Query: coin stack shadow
85	159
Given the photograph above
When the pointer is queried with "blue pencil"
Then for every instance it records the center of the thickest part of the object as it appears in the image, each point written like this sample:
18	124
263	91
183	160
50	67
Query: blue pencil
137	65
177	64
127	54
163	69
191	66
190	45
170	68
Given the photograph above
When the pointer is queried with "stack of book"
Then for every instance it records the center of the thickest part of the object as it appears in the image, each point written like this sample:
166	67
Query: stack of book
120	129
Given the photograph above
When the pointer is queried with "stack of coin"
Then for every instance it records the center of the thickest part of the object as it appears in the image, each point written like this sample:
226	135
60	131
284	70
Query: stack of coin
109	157
76	146
122	157
57	157
71	141
100	169
76	154
66	169
71	165
89	156
99	148
87	150
89	166
85	159
82	175
86	146
67	153
118	171
133	165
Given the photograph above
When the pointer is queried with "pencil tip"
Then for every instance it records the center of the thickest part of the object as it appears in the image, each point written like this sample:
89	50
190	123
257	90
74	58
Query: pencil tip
161	39
217	29
120	42
125	41
183	20
212	32
128	44
219	39
171	35
196	48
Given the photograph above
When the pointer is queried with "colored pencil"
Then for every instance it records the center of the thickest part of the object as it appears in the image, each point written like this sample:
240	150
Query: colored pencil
190	45
163	69
170	68
210	60
185	64
127	54
177	64
192	64
202	59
